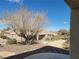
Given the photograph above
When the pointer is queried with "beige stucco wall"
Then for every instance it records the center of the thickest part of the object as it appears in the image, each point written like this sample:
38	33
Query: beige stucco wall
74	34
74	28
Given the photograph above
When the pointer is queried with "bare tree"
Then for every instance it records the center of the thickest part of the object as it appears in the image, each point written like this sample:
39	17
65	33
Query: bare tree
25	23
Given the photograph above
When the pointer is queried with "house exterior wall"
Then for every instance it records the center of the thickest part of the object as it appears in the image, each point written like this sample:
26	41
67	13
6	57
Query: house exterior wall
74	28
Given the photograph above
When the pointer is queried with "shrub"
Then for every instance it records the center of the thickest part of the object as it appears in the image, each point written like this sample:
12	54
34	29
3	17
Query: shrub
4	37
63	32
66	45
47	39
58	37
1	34
11	41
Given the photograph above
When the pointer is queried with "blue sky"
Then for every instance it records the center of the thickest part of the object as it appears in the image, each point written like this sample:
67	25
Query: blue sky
58	13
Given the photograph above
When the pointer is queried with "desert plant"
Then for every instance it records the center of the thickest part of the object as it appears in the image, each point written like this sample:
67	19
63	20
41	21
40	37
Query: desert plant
47	39
58	37
66	45
6	29
63	32
4	37
25	23
1	34
11	41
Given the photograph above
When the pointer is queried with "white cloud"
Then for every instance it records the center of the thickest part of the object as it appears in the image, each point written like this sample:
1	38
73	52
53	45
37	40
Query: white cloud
17	1
65	22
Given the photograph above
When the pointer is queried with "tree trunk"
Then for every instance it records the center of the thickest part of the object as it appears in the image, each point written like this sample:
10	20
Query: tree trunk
29	39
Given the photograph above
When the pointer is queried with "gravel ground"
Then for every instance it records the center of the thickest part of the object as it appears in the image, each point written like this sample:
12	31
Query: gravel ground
58	43
20	48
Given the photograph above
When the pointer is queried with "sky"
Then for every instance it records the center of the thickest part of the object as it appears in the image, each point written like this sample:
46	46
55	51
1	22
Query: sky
57	11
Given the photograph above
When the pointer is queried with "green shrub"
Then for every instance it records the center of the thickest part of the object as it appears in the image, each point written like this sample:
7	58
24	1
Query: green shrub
1	34
66	45
11	41
58	37
4	37
47	39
